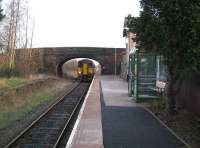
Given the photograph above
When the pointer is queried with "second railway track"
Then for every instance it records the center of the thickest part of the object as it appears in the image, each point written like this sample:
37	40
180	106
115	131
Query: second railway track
48	130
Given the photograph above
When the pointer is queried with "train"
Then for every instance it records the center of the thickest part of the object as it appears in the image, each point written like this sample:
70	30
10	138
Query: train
86	70
81	69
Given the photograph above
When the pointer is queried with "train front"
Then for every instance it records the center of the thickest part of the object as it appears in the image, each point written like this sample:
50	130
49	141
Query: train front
86	70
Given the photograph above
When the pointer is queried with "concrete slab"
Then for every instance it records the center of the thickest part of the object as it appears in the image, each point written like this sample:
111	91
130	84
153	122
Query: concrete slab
86	146
126	125
116	92
87	132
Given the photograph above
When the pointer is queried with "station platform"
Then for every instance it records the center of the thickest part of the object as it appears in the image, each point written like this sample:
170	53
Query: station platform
111	119
127	125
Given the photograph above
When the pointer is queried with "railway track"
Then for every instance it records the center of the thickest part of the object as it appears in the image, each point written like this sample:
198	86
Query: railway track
49	129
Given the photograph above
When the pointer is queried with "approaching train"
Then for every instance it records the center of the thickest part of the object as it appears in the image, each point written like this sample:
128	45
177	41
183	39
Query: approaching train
82	69
86	70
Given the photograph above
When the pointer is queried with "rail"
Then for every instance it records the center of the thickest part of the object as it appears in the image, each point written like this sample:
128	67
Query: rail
48	129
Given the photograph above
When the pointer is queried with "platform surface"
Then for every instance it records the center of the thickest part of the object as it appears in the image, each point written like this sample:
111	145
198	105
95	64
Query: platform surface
87	131
126	125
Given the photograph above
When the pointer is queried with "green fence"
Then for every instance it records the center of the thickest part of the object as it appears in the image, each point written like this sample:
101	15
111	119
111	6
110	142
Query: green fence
144	71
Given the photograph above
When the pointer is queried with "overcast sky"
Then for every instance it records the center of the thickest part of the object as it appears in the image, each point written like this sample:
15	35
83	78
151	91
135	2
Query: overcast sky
81	22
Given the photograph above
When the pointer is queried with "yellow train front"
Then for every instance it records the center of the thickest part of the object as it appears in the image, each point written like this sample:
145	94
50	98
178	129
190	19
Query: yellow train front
86	70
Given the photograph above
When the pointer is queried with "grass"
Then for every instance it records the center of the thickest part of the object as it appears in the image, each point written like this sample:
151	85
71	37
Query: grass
17	109
9	83
20	107
155	104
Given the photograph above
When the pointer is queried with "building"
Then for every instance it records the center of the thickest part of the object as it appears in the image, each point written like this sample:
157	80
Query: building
130	41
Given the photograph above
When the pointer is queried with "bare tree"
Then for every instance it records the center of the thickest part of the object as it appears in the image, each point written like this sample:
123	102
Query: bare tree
16	31
15	8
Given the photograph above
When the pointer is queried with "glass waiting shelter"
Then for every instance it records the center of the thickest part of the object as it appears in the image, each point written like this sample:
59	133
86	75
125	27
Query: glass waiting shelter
144	70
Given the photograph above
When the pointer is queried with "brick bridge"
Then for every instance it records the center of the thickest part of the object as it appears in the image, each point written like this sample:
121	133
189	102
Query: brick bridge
50	60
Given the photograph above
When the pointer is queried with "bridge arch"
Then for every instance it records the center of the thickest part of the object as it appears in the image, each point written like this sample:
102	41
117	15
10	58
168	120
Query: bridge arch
59	65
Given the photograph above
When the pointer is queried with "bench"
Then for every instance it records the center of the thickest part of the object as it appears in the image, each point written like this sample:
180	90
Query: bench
160	87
